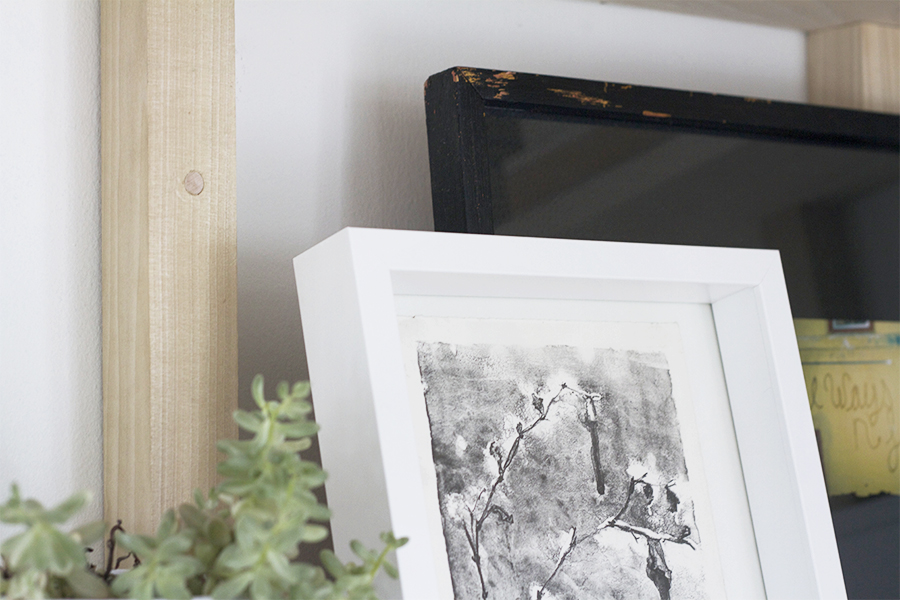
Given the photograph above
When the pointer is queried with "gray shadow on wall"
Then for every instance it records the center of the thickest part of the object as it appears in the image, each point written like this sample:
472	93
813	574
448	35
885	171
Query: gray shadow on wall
385	184
271	336
267	301
387	181
382	181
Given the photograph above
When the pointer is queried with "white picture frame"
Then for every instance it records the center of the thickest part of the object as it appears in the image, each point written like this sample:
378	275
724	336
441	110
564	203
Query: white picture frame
355	286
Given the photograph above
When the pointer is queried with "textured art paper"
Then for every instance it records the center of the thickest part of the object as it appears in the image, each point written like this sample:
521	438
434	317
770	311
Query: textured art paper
560	472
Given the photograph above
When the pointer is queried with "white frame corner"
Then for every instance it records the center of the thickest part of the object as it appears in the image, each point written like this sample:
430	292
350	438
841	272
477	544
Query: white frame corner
347	286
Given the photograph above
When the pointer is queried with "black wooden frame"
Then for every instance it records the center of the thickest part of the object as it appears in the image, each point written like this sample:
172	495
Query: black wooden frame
457	101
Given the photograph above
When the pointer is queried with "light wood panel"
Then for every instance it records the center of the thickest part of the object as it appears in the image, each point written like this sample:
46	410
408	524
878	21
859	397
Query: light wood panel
807	15
169	251
855	66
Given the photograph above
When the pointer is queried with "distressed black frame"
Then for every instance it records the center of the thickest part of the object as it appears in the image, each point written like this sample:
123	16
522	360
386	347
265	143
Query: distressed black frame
457	101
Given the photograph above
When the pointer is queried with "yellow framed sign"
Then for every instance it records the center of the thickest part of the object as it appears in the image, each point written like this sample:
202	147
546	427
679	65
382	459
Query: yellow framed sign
852	373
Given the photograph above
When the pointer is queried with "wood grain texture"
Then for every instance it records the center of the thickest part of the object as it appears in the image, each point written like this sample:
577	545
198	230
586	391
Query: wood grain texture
807	15
855	66
168	257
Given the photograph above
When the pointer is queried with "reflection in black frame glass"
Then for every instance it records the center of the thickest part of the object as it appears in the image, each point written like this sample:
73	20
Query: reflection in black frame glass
520	154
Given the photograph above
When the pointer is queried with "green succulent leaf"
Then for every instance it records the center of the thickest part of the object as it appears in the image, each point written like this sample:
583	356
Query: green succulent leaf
28	583
89	533
239	541
142	545
167	526
171	584
297	446
44	548
280	565
297	430
297	409
332	564
192	516
86	584
175	545
362	552
234	559
300	389
390	569
251	421
233	587
313	534
67	508
218	532
29	512
263	587
317	512
160	574
257	390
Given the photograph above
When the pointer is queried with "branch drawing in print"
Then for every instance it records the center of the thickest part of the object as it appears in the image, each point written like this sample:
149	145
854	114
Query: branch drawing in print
591	422
657	570
473	530
561	473
562	558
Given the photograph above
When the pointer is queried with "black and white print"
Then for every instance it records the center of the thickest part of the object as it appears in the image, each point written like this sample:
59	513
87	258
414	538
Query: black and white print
560	472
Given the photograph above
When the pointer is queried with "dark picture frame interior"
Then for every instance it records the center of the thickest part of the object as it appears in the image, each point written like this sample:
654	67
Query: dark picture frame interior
535	155
542	156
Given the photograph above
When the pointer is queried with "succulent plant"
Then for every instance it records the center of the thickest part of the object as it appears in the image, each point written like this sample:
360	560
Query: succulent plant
239	541
42	561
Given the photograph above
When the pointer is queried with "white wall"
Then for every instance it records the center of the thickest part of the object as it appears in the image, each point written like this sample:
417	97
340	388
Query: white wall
331	132
331	118
50	403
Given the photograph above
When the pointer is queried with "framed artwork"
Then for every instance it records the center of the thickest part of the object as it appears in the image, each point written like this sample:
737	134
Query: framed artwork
534	155
554	418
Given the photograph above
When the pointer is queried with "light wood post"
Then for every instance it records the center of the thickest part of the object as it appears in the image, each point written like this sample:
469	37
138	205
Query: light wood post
168	251
855	66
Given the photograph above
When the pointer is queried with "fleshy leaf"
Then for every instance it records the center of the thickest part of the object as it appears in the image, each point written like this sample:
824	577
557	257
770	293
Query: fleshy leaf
88	533
331	563
233	587
87	585
390	569
314	533
258	391
250	421
67	508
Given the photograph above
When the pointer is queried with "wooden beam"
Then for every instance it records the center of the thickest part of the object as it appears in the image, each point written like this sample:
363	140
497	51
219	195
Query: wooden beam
855	66
807	15
168	251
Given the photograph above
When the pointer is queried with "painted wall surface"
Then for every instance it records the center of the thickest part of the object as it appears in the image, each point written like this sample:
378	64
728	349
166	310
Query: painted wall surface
331	132
50	381
331	117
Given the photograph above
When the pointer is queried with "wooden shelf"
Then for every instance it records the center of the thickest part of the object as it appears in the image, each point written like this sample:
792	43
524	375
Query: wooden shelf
807	15
855	66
